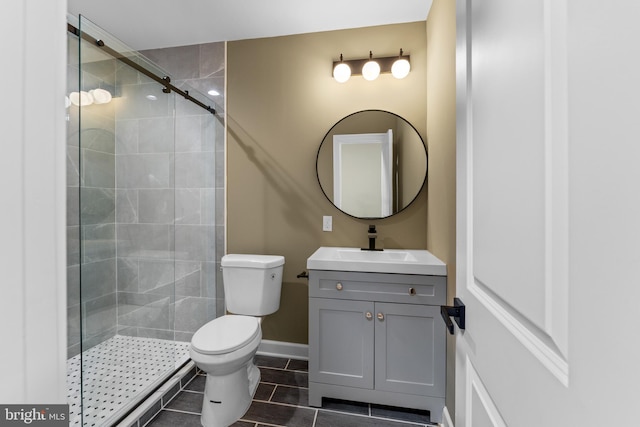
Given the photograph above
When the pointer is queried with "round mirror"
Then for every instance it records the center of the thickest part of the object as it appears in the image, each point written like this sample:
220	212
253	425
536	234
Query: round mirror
372	164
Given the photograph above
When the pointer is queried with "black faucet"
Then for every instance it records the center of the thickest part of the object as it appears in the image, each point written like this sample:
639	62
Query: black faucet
372	234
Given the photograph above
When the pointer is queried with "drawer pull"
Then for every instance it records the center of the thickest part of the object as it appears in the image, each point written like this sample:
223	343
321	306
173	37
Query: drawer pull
412	291
368	315
339	286
380	317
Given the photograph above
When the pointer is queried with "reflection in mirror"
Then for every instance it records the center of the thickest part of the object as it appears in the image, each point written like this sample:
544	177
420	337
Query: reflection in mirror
363	173
372	164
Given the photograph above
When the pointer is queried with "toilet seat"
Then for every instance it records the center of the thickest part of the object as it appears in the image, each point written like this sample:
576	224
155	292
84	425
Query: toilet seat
225	334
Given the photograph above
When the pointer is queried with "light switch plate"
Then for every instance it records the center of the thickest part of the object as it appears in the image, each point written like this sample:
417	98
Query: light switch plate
327	223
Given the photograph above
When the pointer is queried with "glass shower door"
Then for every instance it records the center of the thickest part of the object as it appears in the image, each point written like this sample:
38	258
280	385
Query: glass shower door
127	228
145	219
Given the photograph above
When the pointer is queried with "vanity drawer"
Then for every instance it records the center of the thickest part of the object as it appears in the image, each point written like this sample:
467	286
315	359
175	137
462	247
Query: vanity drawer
400	288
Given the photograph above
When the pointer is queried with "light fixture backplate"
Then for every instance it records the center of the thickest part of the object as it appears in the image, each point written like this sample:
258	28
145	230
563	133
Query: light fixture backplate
356	64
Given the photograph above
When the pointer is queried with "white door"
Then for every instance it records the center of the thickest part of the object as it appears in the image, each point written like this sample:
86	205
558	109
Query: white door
548	265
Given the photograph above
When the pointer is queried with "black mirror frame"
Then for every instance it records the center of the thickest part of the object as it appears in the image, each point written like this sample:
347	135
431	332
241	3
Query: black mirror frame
426	153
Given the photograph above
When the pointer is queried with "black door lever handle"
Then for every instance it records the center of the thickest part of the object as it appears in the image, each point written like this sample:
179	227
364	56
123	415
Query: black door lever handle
457	312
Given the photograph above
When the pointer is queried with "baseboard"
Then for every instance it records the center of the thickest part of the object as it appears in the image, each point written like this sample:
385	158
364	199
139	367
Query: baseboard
446	418
289	350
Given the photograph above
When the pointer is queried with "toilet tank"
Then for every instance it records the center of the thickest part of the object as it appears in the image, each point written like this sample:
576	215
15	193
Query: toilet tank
252	283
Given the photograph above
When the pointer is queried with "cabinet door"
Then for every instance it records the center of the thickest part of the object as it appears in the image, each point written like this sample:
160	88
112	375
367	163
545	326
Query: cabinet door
341	342
410	349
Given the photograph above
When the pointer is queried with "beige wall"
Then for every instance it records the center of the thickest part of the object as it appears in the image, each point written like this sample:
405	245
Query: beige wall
441	136
281	102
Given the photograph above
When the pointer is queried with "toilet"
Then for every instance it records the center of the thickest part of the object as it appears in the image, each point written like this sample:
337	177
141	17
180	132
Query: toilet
224	348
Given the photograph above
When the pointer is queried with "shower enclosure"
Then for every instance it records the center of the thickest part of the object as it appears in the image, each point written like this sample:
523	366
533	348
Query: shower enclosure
145	219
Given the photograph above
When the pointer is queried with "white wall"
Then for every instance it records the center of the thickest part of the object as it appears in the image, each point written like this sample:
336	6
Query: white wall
32	226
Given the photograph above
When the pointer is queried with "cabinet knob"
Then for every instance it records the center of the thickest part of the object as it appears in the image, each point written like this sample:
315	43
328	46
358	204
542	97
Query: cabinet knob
368	315
380	316
412	291
339	286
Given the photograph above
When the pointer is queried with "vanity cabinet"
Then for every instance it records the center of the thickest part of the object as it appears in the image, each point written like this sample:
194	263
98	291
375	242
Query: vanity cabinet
377	337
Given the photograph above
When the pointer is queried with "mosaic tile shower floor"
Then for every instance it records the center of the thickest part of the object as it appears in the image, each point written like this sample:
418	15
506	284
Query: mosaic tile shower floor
117	372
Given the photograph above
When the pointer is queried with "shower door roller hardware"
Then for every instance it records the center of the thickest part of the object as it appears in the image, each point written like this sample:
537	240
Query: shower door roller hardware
457	312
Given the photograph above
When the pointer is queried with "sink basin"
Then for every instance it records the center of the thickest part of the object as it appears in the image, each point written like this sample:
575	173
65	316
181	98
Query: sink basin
354	254
403	261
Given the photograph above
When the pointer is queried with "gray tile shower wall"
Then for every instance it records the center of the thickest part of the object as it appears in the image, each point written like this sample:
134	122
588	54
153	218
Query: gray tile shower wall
202	67
199	181
145	209
184	197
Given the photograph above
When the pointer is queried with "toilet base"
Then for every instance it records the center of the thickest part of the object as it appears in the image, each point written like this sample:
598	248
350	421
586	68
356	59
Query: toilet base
228	397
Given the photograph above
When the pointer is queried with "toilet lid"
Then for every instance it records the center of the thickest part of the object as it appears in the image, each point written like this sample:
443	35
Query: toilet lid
225	334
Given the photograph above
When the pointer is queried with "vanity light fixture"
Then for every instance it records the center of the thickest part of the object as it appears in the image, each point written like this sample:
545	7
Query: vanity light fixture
370	68
401	67
81	99
85	98
100	96
341	71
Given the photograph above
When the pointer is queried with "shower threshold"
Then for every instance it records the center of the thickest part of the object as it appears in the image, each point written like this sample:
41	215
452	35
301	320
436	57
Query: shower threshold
112	377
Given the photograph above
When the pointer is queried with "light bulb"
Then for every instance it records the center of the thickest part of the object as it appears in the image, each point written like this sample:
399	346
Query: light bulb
100	96
371	70
81	99
213	92
341	72
400	68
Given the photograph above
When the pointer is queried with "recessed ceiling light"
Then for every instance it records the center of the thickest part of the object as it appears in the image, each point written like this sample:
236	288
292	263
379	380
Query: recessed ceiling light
214	92
152	97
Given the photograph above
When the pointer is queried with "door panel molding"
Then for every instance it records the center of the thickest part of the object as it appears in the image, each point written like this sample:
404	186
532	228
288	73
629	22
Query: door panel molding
534	339
546	338
490	414
556	175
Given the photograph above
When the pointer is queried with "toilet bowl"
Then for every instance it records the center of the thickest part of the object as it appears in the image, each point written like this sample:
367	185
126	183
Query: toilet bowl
225	347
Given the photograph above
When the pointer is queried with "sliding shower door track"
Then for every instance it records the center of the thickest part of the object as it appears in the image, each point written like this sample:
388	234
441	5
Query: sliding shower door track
164	80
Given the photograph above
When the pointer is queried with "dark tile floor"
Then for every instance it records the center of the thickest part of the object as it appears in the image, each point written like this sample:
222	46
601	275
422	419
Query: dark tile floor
282	400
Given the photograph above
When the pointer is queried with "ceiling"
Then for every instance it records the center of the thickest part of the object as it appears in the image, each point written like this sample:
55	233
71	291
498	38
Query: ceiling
147	24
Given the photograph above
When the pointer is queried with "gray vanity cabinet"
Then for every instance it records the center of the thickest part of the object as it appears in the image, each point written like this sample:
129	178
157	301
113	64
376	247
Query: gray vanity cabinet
377	337
345	341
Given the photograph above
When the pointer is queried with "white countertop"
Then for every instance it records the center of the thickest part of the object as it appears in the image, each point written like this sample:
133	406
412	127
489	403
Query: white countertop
400	261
